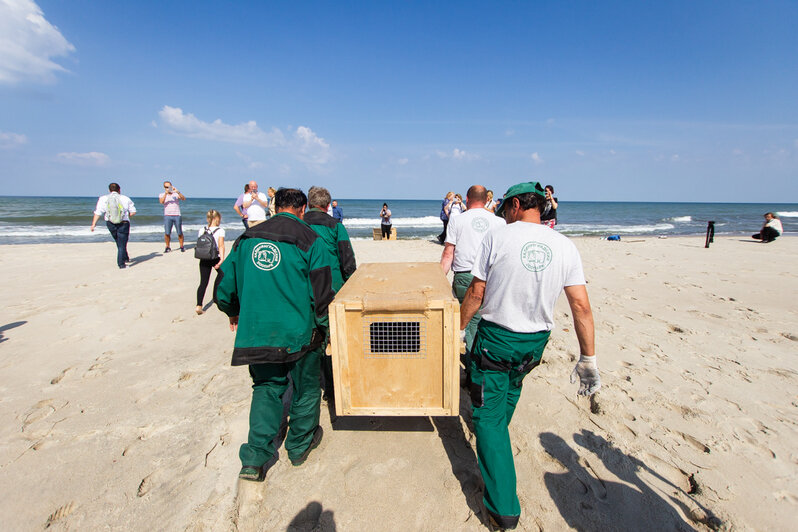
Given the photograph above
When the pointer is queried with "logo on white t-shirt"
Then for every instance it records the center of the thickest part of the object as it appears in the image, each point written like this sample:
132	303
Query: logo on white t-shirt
480	225
266	256
535	256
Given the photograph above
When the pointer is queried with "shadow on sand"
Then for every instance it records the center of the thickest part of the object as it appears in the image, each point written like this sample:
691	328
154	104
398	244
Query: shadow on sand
313	518
587	502
7	326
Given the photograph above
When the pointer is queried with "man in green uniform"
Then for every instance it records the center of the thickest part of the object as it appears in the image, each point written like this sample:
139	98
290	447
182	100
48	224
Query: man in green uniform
276	285
342	257
519	272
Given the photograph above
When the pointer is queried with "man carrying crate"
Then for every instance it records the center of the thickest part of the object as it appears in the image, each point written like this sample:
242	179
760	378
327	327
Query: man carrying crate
276	286
519	272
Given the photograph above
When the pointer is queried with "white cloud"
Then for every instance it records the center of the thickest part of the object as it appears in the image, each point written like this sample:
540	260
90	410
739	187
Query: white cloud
675	157
28	44
304	144
403	161
92	158
537	158
11	140
457	154
580	153
509	133
612	152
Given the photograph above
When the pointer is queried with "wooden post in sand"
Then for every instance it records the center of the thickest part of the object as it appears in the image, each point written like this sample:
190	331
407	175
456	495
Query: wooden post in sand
710	233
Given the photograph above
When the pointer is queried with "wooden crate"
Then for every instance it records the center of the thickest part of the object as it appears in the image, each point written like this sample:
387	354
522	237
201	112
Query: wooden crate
377	234
394	333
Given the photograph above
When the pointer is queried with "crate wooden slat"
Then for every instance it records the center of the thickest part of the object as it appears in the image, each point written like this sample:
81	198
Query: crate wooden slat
377	234
394	334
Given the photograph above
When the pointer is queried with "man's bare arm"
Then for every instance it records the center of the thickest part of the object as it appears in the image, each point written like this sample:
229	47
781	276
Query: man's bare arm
583	318
447	257
472	301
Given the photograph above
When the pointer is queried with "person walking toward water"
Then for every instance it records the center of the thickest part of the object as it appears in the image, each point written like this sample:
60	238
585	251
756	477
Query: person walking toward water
771	229
170	198
342	259
275	287
464	236
519	272
117	210
214	218
385	222
238	206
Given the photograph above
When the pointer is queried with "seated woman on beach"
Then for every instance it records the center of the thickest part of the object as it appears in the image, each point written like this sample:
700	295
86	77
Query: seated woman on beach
206	265
771	229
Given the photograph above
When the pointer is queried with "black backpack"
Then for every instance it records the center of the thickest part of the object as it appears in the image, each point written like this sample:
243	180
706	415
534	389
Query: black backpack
206	246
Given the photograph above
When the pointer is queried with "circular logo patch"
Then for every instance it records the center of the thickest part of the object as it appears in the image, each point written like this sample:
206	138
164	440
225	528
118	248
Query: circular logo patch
480	225
535	256
266	256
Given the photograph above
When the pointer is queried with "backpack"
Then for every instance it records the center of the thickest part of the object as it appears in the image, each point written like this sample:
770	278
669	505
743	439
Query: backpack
113	206
206	246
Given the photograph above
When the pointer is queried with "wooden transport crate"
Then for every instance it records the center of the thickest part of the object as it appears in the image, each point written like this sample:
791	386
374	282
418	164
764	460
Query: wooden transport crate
394	333
377	234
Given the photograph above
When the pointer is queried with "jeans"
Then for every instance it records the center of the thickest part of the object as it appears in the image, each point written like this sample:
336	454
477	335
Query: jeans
386	231
173	221
120	233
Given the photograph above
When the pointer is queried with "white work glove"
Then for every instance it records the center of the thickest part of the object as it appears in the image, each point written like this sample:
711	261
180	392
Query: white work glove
587	372
462	336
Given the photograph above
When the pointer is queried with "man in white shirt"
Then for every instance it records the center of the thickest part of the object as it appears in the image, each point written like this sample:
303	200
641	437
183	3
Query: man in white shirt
519	272
117	210
256	204
464	236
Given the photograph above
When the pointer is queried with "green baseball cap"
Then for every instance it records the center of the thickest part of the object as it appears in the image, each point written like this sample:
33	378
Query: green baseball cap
520	188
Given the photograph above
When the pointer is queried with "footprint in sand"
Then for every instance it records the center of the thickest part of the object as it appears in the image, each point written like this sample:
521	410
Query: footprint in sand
60	514
790	336
61	375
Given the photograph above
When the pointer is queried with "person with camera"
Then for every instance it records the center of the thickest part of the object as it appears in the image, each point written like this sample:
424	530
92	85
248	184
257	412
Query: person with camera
170	198
549	215
385	222
256	204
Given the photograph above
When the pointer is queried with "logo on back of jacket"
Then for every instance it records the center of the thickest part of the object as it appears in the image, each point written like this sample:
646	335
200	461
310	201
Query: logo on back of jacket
266	256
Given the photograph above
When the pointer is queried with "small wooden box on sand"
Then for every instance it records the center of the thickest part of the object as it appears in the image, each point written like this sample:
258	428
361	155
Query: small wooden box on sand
394	333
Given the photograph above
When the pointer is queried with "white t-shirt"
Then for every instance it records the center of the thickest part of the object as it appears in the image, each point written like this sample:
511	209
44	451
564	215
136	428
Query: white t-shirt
775	223
457	208
466	233
385	220
256	211
525	267
128	207
218	234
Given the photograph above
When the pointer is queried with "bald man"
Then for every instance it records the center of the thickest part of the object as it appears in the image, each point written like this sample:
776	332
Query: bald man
256	204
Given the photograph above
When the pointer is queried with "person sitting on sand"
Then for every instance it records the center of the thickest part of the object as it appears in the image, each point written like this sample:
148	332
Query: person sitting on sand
771	229
214	218
283	262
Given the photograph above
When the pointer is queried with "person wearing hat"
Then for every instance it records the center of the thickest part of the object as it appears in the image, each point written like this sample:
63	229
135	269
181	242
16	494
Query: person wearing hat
519	272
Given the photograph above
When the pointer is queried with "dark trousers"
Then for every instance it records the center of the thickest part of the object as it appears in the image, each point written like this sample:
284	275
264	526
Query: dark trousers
442	236
386	231
120	233
768	234
206	267
246	223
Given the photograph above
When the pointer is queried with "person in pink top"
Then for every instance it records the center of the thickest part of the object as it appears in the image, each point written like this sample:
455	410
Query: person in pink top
170	198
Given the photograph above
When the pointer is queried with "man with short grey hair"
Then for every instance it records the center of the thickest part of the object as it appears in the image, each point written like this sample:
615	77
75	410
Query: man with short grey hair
342	256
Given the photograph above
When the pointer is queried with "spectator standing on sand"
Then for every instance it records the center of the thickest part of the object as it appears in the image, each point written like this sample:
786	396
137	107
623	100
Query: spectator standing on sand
117	210
446	206
239	206
256	203
385	222
463	239
771	229
457	207
337	212
272	207
490	204
283	262
549	215
170	198
342	259
519	273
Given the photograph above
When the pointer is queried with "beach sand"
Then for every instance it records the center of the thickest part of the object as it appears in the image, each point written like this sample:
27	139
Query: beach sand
119	408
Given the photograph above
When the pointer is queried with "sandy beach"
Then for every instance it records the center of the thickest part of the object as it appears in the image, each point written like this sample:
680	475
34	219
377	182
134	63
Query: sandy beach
119	408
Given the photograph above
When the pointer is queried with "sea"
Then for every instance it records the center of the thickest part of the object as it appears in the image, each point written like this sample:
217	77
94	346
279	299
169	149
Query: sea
42	220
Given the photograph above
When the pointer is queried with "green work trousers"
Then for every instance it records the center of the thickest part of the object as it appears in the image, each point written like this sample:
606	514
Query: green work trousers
499	362
270	382
460	284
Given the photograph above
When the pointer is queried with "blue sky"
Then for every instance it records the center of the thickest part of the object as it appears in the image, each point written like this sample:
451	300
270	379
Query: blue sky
633	101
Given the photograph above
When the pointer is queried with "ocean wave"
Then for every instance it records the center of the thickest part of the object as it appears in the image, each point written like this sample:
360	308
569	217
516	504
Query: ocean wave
421	221
189	230
788	214
679	219
587	229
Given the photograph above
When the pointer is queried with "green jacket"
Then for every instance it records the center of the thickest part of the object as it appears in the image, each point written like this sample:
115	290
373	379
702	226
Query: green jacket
336	239
277	279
